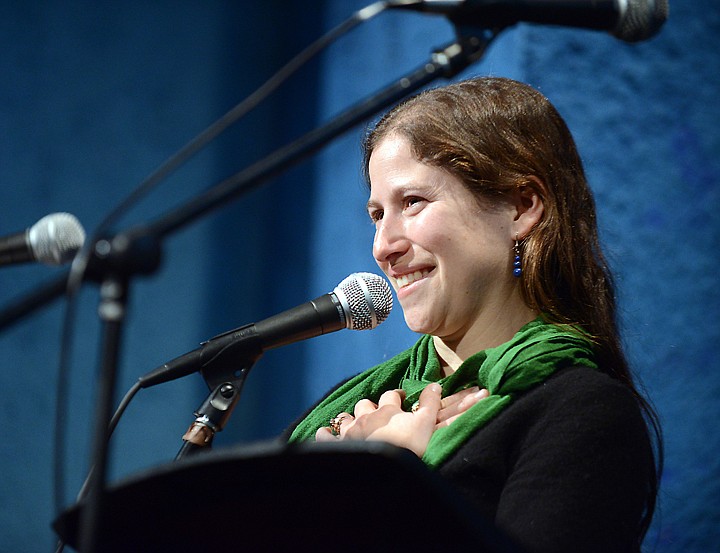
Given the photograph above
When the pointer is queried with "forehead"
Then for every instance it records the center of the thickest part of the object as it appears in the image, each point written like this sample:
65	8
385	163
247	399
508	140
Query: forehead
396	173
395	156
394	170
393	162
390	149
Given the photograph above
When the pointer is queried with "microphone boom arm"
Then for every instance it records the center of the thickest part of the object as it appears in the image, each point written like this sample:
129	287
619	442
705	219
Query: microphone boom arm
446	63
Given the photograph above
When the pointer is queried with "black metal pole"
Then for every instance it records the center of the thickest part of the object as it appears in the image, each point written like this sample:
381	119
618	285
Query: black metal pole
112	312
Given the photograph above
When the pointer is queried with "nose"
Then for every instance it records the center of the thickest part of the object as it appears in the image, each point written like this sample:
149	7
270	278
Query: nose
390	241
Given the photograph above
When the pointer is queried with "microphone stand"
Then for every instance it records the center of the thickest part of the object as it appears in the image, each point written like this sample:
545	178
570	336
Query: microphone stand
138	252
115	261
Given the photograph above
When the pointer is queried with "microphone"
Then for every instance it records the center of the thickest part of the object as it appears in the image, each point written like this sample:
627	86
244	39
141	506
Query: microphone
53	240
360	302
628	20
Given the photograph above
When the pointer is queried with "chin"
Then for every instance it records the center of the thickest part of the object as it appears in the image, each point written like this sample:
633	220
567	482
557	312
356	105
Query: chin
421	327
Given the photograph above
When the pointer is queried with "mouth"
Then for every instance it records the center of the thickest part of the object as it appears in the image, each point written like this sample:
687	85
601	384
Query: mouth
407	279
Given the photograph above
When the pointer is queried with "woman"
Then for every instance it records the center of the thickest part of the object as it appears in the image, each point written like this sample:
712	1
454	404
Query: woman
518	391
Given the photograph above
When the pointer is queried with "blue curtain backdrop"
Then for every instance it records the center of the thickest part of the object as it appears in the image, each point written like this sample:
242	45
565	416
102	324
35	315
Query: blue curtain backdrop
94	96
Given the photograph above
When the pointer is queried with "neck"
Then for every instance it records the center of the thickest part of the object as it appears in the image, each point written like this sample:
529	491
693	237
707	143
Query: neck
454	350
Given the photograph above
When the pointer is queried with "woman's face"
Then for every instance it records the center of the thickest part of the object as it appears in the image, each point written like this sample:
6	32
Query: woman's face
448	258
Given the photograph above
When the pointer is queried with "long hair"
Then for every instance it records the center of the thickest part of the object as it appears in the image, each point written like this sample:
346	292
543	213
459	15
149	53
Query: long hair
496	136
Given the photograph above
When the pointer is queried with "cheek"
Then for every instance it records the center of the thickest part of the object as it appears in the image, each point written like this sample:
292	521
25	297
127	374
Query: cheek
429	235
448	244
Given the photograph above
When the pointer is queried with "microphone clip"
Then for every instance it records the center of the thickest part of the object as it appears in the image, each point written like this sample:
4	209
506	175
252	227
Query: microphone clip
469	47
211	418
230	356
126	255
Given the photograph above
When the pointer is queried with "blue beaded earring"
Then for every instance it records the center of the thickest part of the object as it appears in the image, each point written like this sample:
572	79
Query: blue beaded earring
517	268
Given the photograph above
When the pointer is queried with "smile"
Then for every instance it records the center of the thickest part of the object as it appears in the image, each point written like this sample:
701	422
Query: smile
409	278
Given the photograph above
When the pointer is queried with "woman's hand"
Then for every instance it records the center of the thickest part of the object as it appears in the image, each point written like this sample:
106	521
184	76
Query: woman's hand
455	405
387	422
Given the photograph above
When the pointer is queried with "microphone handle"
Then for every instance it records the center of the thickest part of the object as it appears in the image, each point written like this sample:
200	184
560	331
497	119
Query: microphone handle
320	316
234	348
15	249
243	345
505	13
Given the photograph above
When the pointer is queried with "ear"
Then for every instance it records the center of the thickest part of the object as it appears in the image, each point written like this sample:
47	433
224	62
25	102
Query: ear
529	206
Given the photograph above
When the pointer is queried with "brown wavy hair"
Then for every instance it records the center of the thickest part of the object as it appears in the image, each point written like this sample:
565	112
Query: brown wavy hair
498	135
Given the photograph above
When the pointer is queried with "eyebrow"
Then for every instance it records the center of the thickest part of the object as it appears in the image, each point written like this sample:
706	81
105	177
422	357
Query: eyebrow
408	188
401	190
371	205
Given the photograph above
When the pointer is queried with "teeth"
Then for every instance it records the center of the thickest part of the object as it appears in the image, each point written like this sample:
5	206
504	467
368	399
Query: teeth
409	278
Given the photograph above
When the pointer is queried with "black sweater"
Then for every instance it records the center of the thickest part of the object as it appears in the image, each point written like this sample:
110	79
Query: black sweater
565	468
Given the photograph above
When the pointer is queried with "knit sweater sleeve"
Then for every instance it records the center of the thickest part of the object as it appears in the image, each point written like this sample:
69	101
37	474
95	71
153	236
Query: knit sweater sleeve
566	468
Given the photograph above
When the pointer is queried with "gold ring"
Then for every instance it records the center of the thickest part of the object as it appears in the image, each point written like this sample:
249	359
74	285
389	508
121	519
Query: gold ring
335	423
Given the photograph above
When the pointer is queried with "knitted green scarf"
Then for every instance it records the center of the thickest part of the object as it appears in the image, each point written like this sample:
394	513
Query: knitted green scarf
537	351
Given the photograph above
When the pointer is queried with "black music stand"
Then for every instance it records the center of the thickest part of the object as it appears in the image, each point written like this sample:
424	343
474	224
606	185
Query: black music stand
274	497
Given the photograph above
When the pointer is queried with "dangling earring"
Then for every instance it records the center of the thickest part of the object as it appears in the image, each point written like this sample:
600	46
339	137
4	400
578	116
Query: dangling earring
517	268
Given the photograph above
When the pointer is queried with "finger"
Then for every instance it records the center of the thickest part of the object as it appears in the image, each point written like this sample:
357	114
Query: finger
363	407
469	400
447	415
430	400
345	423
458	396
324	434
392	397
447	422
474	398
336	423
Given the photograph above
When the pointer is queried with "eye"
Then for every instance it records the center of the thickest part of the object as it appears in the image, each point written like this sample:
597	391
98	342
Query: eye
413	201
375	215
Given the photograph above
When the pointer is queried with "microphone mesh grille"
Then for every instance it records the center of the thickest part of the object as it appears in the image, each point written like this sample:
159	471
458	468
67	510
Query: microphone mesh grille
368	299
642	19
56	238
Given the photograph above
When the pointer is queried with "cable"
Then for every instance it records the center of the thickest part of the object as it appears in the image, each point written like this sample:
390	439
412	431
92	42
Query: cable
111	428
129	395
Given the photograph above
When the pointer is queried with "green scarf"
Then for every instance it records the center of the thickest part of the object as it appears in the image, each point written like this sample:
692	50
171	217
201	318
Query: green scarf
537	351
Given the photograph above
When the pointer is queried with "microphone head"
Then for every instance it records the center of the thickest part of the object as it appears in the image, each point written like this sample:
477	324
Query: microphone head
640	19
366	300
56	238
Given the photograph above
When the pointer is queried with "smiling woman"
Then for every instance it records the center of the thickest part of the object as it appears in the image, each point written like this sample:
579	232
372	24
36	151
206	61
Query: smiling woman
428	222
518	391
